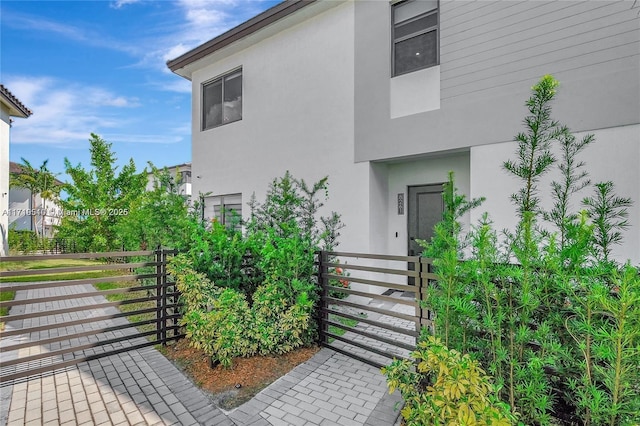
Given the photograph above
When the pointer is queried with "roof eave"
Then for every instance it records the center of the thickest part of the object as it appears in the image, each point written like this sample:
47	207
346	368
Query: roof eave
243	30
16	108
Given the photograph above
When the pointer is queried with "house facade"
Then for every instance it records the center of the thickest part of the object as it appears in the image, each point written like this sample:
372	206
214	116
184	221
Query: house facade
10	106
32	212
180	172
387	97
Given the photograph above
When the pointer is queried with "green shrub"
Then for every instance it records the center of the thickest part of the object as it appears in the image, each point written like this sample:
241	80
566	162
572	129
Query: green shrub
548	312
446	388
256	293
220	321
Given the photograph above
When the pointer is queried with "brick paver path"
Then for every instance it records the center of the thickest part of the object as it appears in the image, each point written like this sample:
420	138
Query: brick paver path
141	387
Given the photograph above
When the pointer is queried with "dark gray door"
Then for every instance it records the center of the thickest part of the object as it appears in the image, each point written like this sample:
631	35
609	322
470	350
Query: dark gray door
424	211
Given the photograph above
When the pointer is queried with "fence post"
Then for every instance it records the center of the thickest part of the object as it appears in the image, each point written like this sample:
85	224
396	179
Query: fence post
419	297
323	281
164	298
158	258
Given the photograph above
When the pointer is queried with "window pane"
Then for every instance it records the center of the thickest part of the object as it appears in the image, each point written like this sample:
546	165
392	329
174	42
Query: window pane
415	26
411	9
232	98
212	104
417	52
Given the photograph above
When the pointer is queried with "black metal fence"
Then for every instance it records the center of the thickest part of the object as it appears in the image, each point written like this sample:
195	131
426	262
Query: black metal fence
56	323
382	315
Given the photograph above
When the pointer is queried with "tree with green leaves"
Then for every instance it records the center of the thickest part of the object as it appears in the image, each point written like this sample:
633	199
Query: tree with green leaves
99	198
38	181
609	215
160	217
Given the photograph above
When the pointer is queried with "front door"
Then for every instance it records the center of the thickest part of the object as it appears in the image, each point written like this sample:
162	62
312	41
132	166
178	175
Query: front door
425	207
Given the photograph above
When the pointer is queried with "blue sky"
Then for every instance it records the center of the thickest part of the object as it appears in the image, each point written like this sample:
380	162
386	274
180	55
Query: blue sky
100	67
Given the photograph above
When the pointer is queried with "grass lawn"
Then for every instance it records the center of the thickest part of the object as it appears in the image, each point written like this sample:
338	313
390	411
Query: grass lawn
132	306
63	263
344	321
45	264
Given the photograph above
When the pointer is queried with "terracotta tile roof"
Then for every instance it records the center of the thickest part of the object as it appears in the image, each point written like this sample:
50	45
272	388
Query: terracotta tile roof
17	107
16	168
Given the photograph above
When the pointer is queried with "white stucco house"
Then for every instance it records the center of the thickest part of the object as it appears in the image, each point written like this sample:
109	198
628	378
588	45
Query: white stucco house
10	106
32	212
178	171
385	97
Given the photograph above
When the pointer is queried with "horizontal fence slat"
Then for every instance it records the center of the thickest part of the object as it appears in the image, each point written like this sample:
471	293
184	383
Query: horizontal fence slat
71	349
389	271
373	336
77	255
352	355
77	335
405	301
35	371
69	269
403	287
164	312
77	295
405	331
10	378
374	256
332	300
20	331
68	283
78	309
429	275
360	345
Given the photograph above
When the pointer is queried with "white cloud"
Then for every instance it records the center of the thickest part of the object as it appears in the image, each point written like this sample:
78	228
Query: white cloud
65	113
203	20
176	84
78	34
143	139
120	3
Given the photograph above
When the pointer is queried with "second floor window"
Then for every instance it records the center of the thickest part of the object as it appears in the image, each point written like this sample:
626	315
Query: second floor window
415	35
222	100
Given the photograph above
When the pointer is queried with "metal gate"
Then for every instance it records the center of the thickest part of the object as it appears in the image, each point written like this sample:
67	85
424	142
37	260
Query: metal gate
368	311
123	302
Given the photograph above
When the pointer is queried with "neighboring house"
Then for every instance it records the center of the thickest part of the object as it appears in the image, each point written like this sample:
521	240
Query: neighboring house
10	106
181	172
32	213
387	97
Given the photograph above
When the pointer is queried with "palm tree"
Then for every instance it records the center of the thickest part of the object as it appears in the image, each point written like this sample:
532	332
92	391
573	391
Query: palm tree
38	181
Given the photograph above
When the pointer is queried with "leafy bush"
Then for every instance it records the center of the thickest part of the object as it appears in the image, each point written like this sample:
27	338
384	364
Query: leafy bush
446	388
256	293
547	311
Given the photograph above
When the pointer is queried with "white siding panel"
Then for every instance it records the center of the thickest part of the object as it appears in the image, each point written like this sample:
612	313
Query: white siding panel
555	63
510	42
510	20
527	43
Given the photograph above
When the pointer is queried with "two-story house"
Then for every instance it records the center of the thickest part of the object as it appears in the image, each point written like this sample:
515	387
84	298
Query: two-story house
10	106
385	97
181	173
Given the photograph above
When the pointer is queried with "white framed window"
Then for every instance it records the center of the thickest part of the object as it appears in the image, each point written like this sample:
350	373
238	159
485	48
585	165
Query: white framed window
222	100
415	35
225	209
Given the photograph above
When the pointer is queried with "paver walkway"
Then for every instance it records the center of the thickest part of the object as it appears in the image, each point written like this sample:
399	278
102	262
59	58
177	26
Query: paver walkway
141	387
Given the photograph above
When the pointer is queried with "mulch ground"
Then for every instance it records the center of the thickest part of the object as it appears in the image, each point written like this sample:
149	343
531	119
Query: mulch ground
231	387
